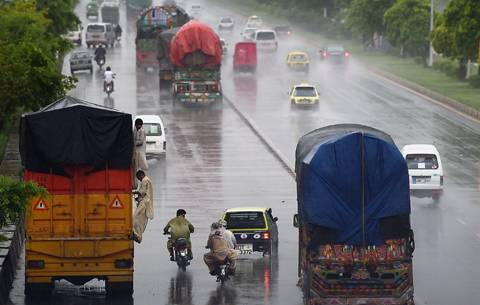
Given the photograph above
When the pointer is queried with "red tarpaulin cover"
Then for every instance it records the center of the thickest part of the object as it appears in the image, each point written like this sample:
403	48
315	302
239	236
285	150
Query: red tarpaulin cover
195	36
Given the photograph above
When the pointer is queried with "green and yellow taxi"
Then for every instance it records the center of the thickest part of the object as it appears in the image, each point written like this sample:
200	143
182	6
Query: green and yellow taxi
304	94
255	229
298	61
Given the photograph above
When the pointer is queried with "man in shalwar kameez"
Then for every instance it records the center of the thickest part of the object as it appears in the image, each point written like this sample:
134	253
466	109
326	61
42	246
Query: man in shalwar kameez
140	151
144	210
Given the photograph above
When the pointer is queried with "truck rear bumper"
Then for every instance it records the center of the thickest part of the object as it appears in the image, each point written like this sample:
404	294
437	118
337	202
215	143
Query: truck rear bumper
405	299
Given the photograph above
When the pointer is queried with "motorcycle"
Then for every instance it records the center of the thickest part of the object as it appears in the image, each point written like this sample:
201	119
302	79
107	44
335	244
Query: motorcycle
109	88
100	61
222	272
181	253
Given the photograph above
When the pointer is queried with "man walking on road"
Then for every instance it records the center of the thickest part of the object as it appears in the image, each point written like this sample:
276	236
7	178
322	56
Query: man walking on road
144	210
140	151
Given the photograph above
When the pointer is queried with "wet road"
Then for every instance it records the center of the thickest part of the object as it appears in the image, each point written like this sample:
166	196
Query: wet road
214	161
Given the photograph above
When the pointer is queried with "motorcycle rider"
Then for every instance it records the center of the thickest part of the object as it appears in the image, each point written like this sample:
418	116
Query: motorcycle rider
108	77
232	241
179	227
100	53
220	245
118	31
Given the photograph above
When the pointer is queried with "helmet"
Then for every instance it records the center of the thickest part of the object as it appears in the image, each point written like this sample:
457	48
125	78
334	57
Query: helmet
222	223
109	69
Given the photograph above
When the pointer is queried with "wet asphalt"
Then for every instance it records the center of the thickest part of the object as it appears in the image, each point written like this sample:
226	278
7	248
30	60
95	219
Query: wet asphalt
214	161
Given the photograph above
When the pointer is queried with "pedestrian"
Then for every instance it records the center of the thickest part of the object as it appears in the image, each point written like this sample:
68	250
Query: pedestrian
179	227
140	151
144	210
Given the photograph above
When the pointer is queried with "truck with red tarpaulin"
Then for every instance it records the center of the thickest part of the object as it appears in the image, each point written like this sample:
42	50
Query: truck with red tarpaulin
355	240
245	57
196	56
150	23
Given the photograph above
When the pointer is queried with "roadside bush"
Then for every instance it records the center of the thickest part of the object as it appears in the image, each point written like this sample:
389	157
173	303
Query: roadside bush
474	81
447	66
14	198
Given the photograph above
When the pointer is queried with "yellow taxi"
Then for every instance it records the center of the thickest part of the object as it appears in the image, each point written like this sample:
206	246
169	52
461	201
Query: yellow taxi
304	94
297	60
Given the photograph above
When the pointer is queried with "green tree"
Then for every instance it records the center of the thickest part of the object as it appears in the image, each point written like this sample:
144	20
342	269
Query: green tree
457	35
15	197
407	25
365	17
28	60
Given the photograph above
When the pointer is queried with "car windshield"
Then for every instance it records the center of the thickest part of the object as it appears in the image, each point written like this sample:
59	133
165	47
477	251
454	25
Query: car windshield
305	92
335	49
245	220
226	20
265	36
152	129
82	55
96	28
297	57
422	161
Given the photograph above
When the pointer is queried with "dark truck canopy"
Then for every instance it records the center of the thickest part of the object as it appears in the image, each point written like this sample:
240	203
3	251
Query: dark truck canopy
73	132
352	186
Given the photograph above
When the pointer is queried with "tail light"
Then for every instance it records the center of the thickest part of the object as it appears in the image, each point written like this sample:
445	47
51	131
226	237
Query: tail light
164	145
266	235
214	87
347	54
289	33
325	54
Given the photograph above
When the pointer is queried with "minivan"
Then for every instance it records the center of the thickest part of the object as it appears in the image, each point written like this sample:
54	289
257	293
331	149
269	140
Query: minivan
100	33
424	169
155	132
266	40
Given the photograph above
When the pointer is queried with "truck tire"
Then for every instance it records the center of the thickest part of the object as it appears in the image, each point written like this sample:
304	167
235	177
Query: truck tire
42	290
118	289
306	283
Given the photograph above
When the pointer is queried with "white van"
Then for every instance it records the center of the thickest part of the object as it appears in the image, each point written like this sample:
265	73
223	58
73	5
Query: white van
425	170
100	33
266	40
155	131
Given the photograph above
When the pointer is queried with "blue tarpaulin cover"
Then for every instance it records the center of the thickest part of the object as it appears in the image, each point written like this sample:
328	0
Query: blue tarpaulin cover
349	177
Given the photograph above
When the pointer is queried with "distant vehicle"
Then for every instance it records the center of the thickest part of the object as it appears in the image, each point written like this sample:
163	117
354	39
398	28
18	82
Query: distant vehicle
169	2
138	5
110	11
283	30
224	46
245	57
254	22
255	229
298	61
100	33
266	40
248	33
92	10
226	23
424	169
335	55
304	94
81	60
155	132
196	9
75	36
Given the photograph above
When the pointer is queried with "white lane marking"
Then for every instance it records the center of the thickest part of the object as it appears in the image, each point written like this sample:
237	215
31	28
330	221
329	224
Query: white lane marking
461	221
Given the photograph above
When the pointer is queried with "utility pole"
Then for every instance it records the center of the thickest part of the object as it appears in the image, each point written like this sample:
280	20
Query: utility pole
430	51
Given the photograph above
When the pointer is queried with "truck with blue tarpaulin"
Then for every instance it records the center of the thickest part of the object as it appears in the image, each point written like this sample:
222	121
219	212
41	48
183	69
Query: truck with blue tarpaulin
355	240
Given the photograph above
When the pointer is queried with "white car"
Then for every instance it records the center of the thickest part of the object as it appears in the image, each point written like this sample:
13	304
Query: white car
196	9
225	23
247	34
254	22
155	132
76	35
100	33
266	40
425	170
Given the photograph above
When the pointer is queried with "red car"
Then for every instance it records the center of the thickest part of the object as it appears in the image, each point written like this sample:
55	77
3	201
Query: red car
245	57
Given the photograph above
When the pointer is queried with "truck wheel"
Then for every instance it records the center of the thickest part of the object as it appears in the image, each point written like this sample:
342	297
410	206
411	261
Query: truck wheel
306	283
38	290
116	289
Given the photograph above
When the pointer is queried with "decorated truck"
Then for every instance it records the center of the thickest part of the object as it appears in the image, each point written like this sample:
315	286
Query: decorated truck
355	239
196	56
81	153
150	24
165	67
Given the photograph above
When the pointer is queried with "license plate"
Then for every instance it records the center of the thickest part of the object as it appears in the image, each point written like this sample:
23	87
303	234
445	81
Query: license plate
151	146
245	248
419	180
265	44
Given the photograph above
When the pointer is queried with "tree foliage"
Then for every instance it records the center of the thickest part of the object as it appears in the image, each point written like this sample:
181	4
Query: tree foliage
29	59
365	17
15	197
407	25
457	34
